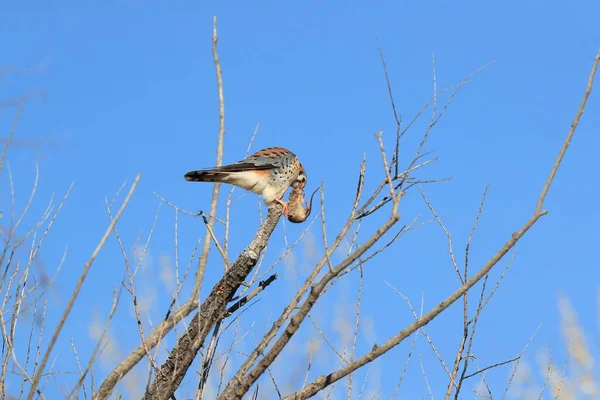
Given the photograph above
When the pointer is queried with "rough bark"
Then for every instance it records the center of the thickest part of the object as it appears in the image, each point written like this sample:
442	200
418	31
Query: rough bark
211	310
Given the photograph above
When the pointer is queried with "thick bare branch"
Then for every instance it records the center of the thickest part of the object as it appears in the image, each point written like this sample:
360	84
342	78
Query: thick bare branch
213	309
237	388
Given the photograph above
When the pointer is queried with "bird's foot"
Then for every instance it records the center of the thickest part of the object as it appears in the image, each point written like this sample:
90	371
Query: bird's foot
284	210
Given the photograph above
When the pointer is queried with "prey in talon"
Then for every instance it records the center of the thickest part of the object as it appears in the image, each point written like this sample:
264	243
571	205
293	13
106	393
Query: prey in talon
268	172
298	214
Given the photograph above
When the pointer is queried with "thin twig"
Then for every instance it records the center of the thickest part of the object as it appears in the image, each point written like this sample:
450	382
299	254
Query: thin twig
214	238
397	116
75	293
446	232
262	285
490	367
356	322
324	227
220	145
514	370
425	378
567	141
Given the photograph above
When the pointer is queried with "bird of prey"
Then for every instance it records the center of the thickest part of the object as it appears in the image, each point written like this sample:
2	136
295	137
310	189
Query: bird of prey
268	172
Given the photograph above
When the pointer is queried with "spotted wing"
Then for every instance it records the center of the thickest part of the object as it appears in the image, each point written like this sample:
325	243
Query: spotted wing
262	160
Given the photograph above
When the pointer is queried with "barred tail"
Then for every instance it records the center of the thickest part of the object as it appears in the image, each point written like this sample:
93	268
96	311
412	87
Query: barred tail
205	176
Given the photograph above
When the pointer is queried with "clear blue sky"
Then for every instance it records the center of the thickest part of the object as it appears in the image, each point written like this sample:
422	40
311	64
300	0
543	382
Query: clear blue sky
131	88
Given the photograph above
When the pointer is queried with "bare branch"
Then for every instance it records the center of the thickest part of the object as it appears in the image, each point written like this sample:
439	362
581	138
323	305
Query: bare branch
397	116
514	370
211	311
406	363
262	285
567	141
97	348
215	196
324	226
215	240
491	366
448	235
425	378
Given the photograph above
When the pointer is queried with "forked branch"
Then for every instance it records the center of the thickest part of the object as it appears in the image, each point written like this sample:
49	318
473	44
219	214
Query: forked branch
212	310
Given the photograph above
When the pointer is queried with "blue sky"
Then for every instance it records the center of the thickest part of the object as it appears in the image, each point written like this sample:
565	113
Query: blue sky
130	88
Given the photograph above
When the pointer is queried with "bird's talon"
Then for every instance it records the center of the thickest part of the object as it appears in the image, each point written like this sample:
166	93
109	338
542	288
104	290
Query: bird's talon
284	209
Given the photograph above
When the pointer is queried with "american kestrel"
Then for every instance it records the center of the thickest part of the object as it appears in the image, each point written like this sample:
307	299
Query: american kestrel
268	172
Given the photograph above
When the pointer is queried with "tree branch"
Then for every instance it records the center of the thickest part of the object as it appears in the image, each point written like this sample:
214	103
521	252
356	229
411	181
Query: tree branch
215	196
212	310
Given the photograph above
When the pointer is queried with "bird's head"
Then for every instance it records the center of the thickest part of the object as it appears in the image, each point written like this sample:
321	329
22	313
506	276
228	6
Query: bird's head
301	179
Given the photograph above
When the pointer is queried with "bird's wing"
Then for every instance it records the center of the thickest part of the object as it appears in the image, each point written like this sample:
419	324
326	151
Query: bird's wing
238	167
268	158
271	156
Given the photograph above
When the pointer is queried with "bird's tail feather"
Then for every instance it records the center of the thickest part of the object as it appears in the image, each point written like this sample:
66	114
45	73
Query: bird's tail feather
205	176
